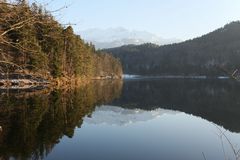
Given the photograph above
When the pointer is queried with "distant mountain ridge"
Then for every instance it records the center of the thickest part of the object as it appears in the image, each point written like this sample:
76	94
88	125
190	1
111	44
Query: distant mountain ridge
211	54
116	37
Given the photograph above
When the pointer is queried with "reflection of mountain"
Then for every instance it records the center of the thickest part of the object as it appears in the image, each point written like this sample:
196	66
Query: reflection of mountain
32	125
215	100
113	115
115	37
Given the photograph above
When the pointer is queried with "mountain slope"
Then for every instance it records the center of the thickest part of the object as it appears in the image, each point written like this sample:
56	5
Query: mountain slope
206	55
115	37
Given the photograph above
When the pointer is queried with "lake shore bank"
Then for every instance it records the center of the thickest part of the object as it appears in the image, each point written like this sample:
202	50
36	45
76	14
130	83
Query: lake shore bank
26	81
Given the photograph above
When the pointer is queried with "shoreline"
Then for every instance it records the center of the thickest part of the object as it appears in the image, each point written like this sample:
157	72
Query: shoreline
38	83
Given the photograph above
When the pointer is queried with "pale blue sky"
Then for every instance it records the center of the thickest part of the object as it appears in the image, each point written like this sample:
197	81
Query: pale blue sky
182	19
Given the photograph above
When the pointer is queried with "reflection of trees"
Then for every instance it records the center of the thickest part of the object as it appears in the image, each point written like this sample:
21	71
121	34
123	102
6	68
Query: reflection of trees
215	100
33	125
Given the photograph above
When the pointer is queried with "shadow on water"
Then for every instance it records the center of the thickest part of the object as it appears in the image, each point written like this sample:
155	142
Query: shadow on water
31	125
212	99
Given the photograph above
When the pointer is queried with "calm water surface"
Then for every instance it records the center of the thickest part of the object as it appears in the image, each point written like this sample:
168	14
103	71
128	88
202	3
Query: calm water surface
138	119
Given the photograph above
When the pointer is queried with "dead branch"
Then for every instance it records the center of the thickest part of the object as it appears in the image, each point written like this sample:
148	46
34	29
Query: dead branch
18	25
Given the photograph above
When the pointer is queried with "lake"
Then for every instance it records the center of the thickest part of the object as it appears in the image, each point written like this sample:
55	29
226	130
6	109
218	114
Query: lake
135	119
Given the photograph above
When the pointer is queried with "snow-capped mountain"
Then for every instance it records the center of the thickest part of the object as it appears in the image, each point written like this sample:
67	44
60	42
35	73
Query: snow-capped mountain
115	37
113	115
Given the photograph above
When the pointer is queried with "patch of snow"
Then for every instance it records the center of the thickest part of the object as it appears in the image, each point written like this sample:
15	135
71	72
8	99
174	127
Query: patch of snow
223	77
116	37
129	76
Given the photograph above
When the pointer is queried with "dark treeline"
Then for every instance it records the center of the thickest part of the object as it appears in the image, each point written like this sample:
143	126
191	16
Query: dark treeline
32	40
212	55
31	125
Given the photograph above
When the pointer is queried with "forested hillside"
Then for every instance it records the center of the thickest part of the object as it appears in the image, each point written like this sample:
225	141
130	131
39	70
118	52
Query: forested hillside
32	41
212	54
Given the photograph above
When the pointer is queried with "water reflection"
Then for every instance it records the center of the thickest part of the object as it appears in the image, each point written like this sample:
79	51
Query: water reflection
33	124
140	119
113	115
212	99
165	135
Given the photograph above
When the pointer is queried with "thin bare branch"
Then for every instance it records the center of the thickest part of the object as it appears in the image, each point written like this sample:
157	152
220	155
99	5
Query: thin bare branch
18	25
235	152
